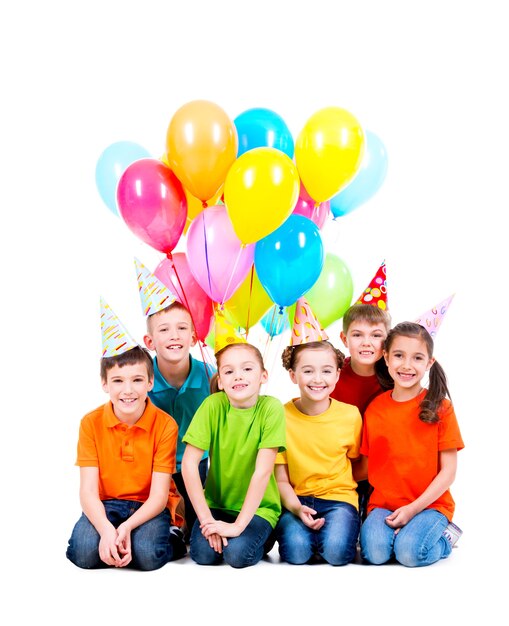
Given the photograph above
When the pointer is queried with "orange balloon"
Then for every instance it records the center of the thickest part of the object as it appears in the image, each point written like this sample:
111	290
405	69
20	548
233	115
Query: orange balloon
201	145
249	302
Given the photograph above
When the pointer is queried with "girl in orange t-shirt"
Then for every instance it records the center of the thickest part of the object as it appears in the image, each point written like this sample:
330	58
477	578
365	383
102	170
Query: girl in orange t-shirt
410	438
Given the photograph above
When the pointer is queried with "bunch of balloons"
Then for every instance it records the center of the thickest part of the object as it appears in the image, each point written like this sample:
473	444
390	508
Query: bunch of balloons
249	204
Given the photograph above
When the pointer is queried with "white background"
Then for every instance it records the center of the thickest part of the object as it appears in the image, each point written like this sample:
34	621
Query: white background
430	79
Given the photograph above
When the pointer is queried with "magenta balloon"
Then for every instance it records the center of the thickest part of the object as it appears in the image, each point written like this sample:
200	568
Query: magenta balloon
153	204
317	214
177	276
217	258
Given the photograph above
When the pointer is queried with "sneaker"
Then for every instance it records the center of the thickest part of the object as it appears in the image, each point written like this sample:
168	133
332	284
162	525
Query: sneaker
452	533
178	542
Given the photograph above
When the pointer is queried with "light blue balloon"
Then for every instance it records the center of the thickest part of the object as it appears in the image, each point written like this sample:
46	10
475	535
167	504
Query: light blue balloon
288	262
259	128
367	181
275	321
110	166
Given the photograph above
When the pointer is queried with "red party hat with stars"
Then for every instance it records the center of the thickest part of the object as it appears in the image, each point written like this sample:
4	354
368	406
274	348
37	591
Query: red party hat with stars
306	327
432	319
376	292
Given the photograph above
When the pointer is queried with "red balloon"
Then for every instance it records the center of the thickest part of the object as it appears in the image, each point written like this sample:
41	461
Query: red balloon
177	276
153	204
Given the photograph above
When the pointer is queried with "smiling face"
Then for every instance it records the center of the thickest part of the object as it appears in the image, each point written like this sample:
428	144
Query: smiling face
171	334
128	387
408	361
365	343
240	375
316	373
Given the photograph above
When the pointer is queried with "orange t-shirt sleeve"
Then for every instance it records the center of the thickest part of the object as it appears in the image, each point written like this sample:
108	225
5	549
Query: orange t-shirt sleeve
449	436
165	454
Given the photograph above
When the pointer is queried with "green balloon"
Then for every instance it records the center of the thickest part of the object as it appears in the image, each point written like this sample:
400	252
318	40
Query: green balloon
331	295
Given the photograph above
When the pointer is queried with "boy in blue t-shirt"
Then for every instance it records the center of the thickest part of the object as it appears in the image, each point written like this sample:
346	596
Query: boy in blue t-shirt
181	382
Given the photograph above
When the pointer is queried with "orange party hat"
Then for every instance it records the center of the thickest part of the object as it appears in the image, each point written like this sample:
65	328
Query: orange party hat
306	327
376	292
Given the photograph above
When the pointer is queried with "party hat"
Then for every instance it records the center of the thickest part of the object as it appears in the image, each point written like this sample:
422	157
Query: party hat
224	333
115	338
154	295
306	327
432	319
376	292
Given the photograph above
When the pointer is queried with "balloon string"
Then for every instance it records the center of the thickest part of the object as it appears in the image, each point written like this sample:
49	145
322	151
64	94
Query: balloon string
186	304
233	272
250	300
206	251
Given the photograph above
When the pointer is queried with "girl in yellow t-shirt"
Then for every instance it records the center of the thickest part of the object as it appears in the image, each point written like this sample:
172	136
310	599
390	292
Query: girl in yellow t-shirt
320	517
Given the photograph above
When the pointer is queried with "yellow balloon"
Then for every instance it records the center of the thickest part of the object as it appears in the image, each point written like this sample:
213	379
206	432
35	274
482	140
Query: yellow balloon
328	152
249	303
260	191
201	145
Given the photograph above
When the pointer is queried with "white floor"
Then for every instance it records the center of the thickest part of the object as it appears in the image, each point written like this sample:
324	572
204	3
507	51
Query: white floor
464	586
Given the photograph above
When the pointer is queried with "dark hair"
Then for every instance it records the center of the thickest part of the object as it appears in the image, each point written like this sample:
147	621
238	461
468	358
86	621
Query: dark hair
131	357
219	355
366	313
437	388
291	353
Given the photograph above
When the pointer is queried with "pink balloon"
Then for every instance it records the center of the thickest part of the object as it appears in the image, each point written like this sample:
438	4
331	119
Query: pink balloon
306	206
217	258
153	204
174	272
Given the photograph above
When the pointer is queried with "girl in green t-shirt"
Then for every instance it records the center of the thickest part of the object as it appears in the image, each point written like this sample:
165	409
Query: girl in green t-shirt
242	431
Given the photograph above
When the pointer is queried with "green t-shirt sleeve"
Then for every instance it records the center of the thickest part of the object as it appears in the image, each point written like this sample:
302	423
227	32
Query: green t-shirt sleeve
274	429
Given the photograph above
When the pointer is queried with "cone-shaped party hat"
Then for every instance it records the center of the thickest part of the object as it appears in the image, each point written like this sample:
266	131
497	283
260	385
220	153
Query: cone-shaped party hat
224	333
154	295
376	292
432	319
306	327
115	338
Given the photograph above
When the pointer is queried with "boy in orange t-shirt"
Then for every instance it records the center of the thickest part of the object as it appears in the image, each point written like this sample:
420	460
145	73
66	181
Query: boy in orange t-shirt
126	455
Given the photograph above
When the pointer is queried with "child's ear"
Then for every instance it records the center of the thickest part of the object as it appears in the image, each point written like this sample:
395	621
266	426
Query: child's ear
148	341
265	377
194	339
150	385
343	339
104	385
386	357
219	383
430	363
292	377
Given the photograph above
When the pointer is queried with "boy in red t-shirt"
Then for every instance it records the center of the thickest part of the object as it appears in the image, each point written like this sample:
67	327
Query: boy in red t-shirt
364	373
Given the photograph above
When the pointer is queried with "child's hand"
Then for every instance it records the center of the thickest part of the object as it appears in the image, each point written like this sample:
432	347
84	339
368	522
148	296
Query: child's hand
225	529
108	549
306	514
400	517
123	543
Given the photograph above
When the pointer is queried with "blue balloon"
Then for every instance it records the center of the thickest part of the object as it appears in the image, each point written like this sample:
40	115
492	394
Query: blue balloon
366	182
288	262
110	166
257	128
275	321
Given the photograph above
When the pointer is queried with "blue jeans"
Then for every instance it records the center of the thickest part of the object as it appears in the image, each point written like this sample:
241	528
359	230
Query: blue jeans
190	515
151	544
243	551
335	542
418	543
